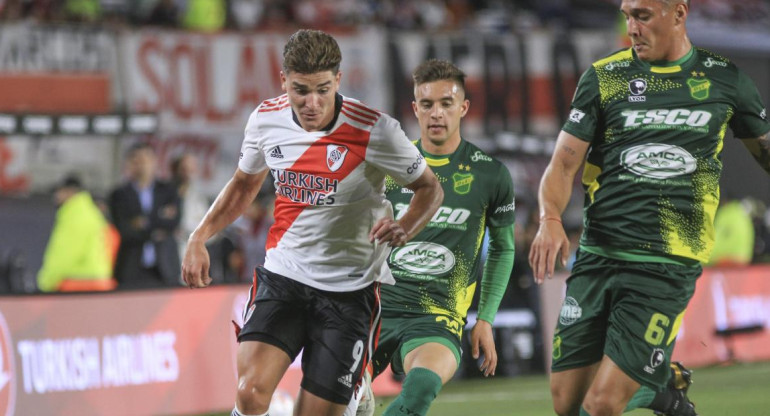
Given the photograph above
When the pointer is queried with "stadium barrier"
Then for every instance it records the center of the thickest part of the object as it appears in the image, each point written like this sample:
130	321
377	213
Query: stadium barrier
728	318
125	353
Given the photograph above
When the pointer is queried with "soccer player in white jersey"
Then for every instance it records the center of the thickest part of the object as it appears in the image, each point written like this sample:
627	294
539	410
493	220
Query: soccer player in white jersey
318	290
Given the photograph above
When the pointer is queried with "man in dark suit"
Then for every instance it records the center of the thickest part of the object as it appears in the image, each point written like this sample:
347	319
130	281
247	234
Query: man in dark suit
146	212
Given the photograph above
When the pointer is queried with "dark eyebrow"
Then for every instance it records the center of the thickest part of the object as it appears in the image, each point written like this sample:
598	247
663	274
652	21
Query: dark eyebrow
296	84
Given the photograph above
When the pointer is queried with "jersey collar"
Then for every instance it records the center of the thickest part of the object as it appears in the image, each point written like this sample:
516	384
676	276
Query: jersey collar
438	160
666	67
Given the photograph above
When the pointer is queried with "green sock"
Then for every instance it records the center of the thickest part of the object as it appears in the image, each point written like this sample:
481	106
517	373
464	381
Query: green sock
641	399
421	386
583	412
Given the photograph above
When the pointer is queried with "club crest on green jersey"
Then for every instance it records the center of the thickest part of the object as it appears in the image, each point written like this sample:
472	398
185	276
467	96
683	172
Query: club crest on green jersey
699	88
462	182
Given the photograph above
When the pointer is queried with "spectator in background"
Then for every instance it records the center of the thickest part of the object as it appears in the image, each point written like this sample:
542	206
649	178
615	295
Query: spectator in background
84	11
146	212
184	174
77	256
733	236
165	13
205	15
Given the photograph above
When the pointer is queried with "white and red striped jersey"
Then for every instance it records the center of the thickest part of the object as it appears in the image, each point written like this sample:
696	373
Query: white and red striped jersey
329	191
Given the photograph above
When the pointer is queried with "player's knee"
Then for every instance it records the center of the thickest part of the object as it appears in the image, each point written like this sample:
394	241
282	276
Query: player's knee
599	404
253	397
564	403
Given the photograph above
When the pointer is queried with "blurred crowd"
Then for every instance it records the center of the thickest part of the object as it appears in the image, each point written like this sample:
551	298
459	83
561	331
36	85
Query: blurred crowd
136	236
431	15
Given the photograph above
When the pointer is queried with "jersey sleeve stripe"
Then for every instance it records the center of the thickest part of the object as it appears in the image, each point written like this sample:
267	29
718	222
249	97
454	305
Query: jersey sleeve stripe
273	102
267	110
355	118
619	56
372	113
359	113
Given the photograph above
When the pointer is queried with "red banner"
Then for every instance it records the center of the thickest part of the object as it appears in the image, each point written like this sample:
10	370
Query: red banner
132	353
728	318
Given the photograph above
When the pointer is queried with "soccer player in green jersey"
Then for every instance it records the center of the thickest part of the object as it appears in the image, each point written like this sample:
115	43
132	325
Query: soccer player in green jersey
423	315
647	125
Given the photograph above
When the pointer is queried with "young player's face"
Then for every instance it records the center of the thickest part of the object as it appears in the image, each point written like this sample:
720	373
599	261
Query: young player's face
312	97
439	106
653	27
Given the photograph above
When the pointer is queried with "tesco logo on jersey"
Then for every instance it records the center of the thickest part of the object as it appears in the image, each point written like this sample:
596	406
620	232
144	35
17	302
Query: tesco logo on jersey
664	118
7	373
423	257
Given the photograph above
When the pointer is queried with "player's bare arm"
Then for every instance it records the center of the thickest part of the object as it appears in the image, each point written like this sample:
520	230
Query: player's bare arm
235	197
482	341
553	196
428	196
760	149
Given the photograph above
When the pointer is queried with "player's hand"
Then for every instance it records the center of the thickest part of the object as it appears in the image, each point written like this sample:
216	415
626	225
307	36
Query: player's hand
195	266
482	339
389	231
550	241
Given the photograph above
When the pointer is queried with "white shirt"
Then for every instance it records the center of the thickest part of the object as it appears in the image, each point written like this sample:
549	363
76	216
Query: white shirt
329	191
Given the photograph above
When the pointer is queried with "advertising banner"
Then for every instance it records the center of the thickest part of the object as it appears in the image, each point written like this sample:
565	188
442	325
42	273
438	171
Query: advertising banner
159	352
728	318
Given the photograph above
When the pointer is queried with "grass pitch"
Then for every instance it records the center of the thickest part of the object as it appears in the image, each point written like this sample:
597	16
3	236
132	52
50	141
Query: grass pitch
741	389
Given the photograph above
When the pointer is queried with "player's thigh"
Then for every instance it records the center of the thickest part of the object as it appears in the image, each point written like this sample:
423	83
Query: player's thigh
434	356
650	302
339	341
437	334
261	366
580	332
272	315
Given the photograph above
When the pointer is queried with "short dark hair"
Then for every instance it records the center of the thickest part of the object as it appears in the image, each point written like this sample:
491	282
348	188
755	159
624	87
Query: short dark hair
72	180
311	51
438	70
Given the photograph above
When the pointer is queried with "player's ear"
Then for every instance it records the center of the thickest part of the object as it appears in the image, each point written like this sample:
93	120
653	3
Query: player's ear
466	105
283	82
414	108
680	12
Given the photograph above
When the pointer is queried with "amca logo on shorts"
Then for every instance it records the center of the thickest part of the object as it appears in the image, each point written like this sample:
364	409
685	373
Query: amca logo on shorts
7	378
570	311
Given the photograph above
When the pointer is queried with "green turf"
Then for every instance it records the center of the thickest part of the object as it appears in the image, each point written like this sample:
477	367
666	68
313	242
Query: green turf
742	390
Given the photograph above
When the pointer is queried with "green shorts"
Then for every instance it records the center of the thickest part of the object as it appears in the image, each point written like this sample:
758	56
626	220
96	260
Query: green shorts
630	311
401	333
